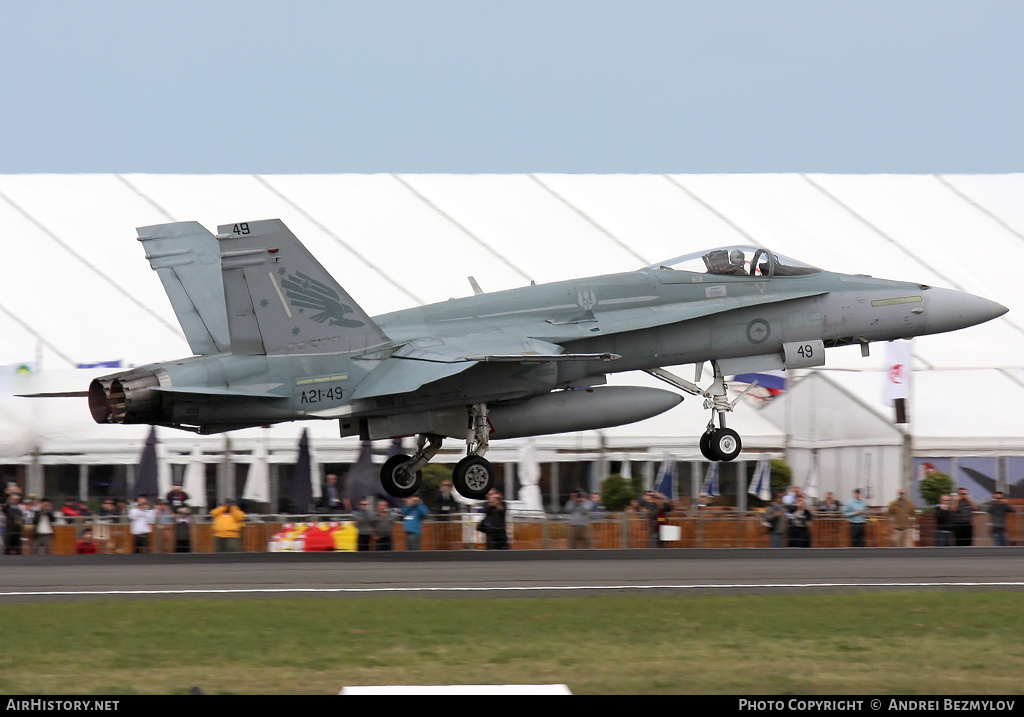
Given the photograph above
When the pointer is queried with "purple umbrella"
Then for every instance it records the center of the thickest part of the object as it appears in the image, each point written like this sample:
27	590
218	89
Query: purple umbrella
145	471
301	491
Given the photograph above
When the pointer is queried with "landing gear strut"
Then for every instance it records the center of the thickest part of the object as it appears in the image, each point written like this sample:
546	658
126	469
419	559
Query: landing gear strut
473	477
717	443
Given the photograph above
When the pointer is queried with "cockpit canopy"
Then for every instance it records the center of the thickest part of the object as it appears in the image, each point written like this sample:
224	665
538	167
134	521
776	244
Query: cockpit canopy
738	260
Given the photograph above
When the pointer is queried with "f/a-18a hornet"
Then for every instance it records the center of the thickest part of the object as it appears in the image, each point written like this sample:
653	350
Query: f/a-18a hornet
275	338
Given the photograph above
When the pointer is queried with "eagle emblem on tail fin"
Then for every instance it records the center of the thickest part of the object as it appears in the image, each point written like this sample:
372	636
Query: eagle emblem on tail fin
305	292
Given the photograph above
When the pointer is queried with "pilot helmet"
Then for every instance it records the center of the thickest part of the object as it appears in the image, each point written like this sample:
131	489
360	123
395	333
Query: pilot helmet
736	257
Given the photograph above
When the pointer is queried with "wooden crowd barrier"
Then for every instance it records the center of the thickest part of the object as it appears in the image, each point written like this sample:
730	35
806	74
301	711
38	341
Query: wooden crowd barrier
708	528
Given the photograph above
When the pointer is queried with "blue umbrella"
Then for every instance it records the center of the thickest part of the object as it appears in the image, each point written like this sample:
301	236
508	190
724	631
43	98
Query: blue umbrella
362	476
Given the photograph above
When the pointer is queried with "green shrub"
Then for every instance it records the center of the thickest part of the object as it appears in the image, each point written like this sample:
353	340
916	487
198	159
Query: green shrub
935	485
616	492
433	475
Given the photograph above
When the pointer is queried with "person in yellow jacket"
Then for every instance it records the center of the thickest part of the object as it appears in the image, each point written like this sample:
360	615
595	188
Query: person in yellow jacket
227	527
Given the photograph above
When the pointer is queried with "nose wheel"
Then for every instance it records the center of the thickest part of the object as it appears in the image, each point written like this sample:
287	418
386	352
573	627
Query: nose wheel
717	443
720	444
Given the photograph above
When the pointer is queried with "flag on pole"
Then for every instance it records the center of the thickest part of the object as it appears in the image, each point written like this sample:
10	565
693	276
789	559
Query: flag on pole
811	484
868	461
761	484
898	358
710	487
666	477
770	384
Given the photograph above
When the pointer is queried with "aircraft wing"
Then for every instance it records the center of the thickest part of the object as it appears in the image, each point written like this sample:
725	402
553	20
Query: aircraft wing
423	361
402	375
612	320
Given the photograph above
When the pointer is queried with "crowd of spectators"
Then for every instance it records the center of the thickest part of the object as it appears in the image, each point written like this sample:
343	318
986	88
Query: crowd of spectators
21	511
788	519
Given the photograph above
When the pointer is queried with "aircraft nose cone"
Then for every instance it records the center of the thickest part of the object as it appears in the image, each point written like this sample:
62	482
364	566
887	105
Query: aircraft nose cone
948	310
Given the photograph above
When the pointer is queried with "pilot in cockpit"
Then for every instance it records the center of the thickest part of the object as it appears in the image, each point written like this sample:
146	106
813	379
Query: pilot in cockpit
721	261
736	263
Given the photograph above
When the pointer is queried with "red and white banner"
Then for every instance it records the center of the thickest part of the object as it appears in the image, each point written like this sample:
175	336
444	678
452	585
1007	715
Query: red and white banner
898	357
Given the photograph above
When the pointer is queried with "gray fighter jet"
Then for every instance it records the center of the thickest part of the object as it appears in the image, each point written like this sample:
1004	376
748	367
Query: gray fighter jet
276	338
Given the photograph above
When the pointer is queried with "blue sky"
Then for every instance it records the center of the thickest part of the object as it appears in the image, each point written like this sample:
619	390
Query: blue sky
479	86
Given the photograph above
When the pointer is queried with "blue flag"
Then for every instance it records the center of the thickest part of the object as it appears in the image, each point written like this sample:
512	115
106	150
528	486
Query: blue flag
761	484
666	478
710	487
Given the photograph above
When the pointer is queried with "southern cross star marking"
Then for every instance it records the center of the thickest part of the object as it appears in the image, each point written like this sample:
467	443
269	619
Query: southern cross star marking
295	331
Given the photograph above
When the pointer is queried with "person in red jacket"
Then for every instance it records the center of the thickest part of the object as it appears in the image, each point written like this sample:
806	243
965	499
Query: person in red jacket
86	545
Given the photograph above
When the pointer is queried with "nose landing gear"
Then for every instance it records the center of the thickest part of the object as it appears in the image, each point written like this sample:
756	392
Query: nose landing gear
717	443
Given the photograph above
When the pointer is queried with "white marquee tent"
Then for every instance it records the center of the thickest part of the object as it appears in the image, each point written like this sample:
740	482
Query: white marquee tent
76	287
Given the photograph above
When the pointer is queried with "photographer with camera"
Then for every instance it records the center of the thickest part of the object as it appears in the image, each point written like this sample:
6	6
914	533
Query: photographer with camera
413	513
578	507
227	527
657	507
142	517
494	521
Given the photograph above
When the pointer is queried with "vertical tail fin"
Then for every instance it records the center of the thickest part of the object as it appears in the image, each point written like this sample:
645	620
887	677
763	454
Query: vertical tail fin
280	300
185	257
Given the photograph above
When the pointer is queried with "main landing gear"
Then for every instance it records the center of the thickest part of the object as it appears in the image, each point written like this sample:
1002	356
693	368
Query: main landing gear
717	443
473	477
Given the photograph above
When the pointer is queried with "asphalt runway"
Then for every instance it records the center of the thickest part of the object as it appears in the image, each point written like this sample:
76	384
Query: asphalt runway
508	573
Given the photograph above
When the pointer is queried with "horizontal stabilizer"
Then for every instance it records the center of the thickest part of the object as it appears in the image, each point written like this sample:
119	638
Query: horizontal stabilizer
54	394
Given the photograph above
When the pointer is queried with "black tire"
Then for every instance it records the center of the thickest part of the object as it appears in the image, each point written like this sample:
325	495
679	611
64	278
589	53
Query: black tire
725	444
473	477
398	482
705	446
